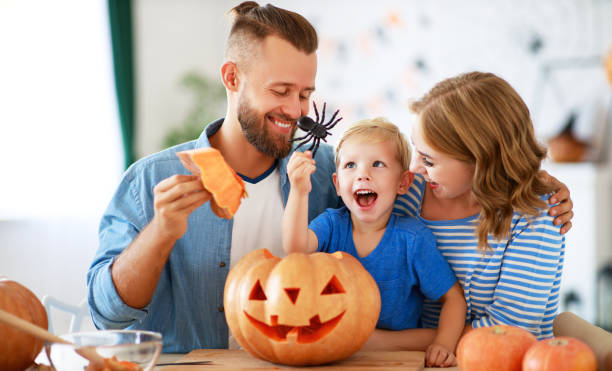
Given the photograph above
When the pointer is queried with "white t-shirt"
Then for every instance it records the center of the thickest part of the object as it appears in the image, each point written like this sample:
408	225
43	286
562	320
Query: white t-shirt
257	223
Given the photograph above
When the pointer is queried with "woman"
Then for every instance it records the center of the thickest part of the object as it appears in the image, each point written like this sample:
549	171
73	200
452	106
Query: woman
478	188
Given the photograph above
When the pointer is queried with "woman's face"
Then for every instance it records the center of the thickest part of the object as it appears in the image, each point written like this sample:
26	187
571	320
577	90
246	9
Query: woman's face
447	177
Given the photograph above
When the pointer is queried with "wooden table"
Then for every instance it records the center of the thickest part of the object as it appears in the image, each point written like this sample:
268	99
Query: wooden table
224	359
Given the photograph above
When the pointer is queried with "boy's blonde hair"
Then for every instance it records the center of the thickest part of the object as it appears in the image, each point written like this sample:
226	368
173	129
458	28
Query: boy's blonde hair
378	130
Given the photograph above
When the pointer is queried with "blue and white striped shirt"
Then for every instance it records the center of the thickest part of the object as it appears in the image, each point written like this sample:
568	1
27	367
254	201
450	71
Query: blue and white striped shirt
517	283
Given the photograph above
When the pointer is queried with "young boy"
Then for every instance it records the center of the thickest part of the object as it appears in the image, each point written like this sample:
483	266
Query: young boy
372	160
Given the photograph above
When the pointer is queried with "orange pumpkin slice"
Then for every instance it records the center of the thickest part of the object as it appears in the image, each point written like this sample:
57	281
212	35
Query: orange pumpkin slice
225	186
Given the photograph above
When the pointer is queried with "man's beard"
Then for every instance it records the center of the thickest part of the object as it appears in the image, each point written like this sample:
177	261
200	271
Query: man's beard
256	132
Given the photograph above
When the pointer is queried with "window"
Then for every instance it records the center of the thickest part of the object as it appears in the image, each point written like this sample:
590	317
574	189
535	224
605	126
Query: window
60	143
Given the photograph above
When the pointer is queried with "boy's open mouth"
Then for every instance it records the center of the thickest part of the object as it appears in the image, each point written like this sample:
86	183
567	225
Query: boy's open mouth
365	197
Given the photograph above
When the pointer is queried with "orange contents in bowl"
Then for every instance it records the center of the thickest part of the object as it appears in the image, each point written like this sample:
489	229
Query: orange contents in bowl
113	364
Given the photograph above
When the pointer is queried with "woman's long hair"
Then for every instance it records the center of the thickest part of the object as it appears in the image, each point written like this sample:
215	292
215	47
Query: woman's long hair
480	119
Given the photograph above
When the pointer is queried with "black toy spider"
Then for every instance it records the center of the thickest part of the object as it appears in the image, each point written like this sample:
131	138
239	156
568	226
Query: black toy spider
316	130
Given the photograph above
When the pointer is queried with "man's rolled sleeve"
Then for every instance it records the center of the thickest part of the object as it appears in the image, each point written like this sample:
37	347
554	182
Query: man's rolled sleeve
120	225
108	310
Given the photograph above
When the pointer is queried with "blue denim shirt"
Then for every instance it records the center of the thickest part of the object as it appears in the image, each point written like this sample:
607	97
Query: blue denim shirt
187	306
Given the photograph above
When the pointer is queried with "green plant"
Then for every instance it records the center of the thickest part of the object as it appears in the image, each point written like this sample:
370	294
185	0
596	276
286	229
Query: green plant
208	104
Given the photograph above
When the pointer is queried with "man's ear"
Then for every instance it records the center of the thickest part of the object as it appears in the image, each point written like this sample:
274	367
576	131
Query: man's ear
335	179
229	75
405	181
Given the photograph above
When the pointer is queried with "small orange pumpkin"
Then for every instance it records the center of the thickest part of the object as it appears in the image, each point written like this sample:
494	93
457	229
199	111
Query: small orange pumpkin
18	349
226	187
305	309
499	348
560	354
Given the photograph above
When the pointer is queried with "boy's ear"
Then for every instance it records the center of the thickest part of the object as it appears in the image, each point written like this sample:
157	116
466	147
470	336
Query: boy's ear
335	179
229	75
405	181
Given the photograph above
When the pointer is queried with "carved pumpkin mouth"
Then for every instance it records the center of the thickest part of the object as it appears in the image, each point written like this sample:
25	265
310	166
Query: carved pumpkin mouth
305	334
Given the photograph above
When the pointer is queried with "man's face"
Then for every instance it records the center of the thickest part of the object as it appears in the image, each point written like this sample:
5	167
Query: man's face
274	93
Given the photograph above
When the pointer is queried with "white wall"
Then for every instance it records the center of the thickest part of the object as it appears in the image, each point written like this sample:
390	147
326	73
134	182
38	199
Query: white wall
50	257
369	54
588	243
374	58
171	39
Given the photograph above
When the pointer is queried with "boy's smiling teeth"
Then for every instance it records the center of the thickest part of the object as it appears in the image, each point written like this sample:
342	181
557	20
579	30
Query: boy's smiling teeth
365	197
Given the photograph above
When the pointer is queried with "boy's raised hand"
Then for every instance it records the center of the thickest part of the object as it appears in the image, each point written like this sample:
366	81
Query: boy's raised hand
295	233
299	169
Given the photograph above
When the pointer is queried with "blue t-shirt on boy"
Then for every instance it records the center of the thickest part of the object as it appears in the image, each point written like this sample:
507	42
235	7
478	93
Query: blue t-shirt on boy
406	264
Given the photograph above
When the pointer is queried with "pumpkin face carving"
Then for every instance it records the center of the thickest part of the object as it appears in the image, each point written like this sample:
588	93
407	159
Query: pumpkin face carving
303	309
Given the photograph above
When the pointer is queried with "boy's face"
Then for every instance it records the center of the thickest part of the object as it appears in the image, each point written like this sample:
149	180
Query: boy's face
368	178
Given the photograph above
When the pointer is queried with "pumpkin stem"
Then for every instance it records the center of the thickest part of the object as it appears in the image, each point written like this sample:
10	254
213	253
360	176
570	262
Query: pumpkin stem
558	342
338	255
498	330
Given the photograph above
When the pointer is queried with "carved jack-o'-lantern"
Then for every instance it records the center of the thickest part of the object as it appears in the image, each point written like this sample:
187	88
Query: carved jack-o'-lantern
303	309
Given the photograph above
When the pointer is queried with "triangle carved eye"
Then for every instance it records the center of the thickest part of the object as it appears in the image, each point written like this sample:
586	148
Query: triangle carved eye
333	287
257	292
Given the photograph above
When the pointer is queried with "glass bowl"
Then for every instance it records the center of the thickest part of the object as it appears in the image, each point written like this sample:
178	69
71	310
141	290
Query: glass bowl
139	347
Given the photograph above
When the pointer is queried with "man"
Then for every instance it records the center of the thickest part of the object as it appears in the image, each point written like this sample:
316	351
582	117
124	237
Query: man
153	272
